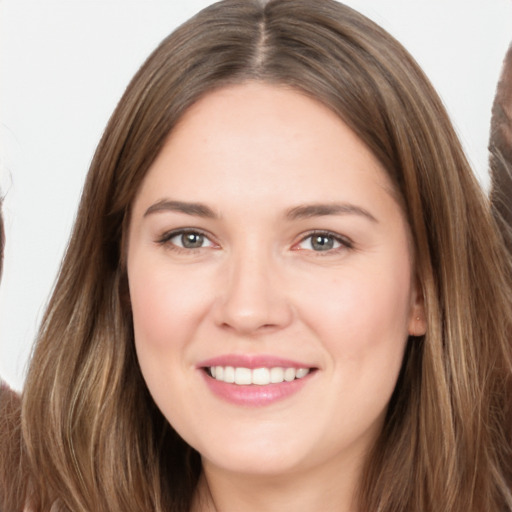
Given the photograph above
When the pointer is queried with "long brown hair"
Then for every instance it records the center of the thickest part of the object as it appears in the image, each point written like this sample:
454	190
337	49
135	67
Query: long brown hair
13	468
500	150
95	439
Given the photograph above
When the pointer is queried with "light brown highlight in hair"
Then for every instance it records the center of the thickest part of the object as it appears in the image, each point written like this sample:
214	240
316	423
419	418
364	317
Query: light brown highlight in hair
95	439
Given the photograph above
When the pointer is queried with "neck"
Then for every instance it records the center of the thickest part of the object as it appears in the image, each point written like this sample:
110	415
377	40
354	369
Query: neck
224	491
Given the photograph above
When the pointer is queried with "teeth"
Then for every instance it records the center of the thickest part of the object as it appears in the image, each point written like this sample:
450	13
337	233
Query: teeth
276	375
289	374
229	374
258	376
301	372
243	376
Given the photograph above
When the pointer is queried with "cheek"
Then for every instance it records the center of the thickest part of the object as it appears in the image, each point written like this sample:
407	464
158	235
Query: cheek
363	325
364	313
164	304
152	309
166	308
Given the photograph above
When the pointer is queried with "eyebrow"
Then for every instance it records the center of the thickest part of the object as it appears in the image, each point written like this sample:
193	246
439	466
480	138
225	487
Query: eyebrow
296	213
320	210
196	209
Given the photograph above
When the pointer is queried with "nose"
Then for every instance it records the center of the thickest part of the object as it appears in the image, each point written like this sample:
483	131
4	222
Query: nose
252	297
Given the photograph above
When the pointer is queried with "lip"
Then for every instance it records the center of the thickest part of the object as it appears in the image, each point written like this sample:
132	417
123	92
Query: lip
253	395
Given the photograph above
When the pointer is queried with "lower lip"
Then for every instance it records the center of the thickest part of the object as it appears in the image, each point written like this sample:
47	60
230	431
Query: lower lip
254	395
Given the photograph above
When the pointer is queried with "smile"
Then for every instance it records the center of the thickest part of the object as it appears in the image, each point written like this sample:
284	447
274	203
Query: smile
256	376
255	380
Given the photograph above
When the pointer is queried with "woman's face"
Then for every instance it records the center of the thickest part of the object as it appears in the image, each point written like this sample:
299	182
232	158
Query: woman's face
271	283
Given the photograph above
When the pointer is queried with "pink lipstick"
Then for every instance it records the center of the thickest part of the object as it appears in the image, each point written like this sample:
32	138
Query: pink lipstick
254	380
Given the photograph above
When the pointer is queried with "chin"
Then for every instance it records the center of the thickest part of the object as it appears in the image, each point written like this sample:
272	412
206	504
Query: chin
256	464
257	453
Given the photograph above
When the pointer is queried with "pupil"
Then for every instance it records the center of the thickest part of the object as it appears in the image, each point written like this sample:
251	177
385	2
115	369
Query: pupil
192	240
322	243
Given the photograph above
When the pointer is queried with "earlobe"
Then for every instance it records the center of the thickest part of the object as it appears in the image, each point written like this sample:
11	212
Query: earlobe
418	325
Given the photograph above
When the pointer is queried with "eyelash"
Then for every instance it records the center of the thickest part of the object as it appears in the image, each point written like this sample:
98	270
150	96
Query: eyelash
344	242
166	238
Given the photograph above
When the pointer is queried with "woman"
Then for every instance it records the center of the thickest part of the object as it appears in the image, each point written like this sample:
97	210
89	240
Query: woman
284	288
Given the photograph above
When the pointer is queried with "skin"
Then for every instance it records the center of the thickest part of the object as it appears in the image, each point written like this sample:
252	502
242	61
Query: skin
253	154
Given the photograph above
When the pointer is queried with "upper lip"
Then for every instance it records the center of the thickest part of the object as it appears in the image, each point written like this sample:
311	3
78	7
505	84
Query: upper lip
252	361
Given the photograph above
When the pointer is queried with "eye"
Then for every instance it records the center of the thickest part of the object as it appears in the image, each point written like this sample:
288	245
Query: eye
324	242
189	240
186	239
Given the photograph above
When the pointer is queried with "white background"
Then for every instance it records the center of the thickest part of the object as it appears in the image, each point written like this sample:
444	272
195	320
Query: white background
64	65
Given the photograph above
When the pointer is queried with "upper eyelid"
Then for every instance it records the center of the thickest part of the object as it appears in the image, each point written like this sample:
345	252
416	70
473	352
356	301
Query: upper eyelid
167	235
337	236
343	239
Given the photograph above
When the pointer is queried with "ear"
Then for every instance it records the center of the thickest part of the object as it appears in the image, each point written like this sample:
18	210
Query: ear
417	315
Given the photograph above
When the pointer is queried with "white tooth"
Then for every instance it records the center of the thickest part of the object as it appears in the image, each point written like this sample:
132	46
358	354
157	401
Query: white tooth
229	374
243	376
261	376
276	375
289	374
301	372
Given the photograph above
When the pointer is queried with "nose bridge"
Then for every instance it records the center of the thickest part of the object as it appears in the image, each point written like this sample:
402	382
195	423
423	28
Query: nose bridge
253	296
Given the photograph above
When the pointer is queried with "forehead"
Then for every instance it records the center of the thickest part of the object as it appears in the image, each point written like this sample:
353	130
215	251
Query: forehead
263	138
